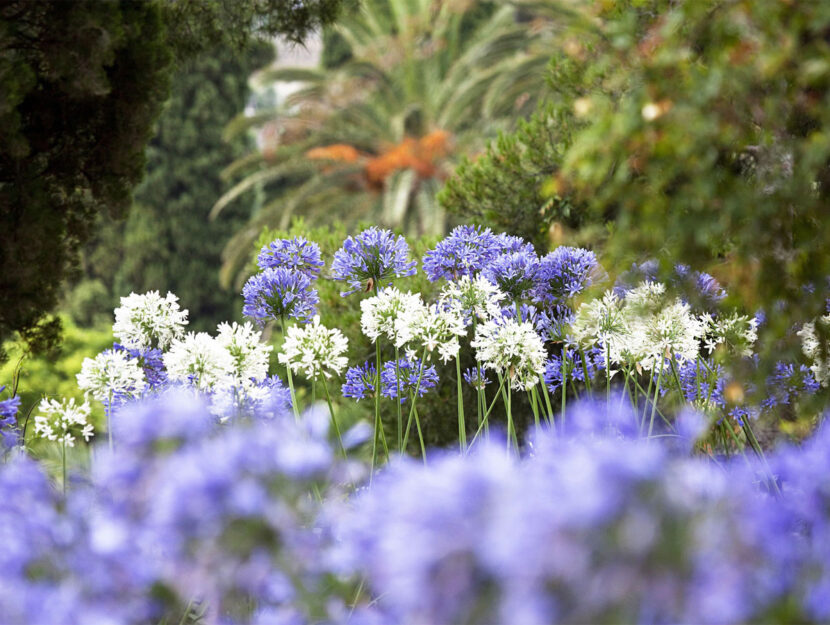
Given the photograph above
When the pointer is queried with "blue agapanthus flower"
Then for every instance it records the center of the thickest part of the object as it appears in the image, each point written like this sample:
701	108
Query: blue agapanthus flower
787	383
699	289
472	378
151	361
298	253
8	422
371	259
594	361
279	292
563	274
514	273
409	373
506	243
464	252
360	381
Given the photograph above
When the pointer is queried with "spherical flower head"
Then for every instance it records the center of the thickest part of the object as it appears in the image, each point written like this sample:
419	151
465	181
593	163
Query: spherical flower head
435	327
314	350
472	377
111	375
199	359
264	399
151	361
298	254
148	320
62	421
813	350
371	259
671	331
410	371
360	381
464	252
380	312
787	383
9	407
508	243
476	297
279	292
735	332
563	274
249	353
575	364
602	322
514	273
8	422
513	349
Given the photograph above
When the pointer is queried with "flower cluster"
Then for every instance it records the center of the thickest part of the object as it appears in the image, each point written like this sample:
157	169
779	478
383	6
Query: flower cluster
360	381
111	376
148	320
63	421
403	378
297	254
315	350
371	259
8	422
512	349
464	252
278	293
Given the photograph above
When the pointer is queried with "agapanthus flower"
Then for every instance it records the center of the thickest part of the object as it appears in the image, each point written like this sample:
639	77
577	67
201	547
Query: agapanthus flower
279	292
111	376
249	353
471	377
603	322
410	370
199	359
672	331
564	273
593	361
476	297
298	254
380	312
512	349
464	252
698	289
61	421
371	259
8	422
148	320
314	350
509	243
360	381
737	333
265	399
151	361
514	273
814	350
787	383
435	327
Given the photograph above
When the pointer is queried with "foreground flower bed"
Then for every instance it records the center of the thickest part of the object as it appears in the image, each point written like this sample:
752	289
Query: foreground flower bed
605	467
262	521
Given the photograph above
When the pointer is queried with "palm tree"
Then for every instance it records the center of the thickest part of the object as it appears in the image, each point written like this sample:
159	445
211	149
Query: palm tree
427	81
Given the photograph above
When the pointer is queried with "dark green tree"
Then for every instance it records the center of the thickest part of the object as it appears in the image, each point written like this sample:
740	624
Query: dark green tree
81	84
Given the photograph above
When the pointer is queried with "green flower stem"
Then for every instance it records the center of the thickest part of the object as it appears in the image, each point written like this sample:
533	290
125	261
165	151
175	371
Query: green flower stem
585	372
420	436
462	427
547	399
413	412
531	395
564	388
109	420
607	374
483	425
511	430
656	395
377	425
333	419
648	397
63	462
294	406
398	396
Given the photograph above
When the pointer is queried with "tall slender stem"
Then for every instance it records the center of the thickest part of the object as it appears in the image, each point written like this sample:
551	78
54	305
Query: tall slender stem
462	427
294	407
377	408
63	462
563	369
412	411
108	410
398	398
333	420
656	395
547	400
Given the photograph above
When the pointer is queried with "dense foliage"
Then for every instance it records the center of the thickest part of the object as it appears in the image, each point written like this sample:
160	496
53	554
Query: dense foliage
82	83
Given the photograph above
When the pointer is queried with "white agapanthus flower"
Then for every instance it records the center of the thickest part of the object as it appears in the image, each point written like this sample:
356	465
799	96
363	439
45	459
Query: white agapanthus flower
670	331
435	327
61	421
477	297
381	312
111	374
148	320
602	322
737	332
200	360
314	350
513	349
812	348
249	353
